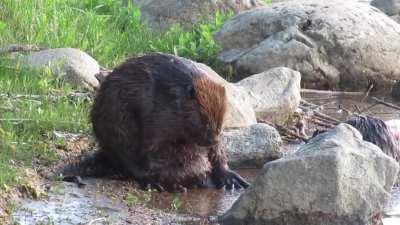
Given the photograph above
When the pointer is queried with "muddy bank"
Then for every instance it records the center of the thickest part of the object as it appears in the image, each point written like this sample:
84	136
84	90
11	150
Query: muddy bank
119	202
100	202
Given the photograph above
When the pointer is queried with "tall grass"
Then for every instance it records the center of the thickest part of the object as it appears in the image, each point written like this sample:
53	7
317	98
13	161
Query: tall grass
106	29
29	114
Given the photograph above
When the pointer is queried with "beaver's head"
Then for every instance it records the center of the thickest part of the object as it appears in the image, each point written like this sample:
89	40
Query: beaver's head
204	124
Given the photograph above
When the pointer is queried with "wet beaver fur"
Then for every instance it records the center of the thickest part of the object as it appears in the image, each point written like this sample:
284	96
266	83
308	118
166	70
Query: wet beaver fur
376	131
157	119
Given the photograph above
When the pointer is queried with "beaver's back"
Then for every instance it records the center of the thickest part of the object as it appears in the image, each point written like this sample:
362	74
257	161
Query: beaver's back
141	100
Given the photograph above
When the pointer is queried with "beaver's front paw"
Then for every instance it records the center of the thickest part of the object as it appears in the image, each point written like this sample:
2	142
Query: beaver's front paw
228	179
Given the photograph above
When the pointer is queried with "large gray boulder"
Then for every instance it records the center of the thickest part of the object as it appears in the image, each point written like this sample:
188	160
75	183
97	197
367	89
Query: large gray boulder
390	7
331	43
73	65
251	147
162	14
274	94
335	179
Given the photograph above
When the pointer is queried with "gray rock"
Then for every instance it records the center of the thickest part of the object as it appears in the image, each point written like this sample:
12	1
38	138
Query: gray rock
70	64
252	146
390	7
396	18
333	44
162	14
335	179
274	94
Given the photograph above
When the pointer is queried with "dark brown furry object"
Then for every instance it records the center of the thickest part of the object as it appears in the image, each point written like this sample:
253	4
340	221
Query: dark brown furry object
157	119
375	130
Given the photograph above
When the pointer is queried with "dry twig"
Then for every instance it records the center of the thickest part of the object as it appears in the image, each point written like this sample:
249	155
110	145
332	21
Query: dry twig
386	103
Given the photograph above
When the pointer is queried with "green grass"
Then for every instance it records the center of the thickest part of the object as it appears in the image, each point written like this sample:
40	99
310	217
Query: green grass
29	114
107	30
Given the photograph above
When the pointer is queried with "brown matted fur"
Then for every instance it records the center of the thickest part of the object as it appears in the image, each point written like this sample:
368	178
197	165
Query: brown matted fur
157	119
212	100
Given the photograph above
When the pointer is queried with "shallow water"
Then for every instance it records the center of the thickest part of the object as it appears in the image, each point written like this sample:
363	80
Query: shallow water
392	210
68	204
203	202
336	105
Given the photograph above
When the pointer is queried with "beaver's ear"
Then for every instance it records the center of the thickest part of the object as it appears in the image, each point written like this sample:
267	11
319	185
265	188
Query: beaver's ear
190	91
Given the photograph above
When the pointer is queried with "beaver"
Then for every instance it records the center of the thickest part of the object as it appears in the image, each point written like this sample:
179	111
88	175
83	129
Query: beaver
157	119
376	131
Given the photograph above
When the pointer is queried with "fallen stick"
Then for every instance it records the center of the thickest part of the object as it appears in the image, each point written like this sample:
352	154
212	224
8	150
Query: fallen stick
304	102
284	130
313	91
357	109
369	107
323	119
321	123
386	103
327	117
370	87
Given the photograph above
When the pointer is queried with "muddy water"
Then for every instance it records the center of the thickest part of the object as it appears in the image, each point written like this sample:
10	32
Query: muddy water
100	201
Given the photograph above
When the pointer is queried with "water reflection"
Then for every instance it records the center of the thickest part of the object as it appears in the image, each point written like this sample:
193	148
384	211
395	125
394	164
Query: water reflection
201	202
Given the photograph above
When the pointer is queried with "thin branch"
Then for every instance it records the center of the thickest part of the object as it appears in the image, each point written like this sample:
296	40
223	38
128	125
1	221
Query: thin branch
327	117
357	109
312	91
321	123
369	107
285	130
370	87
386	103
